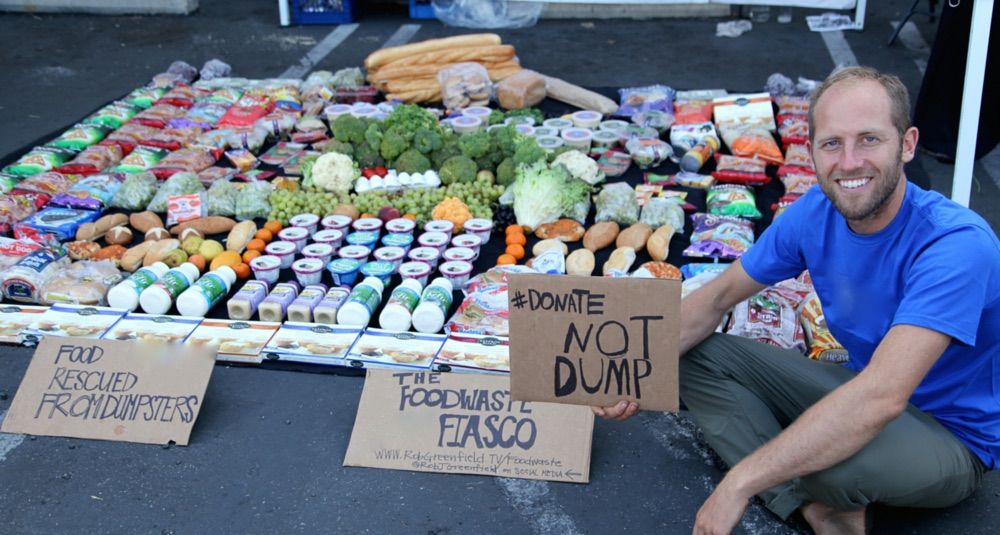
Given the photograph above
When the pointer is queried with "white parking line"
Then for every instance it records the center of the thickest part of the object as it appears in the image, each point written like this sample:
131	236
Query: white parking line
840	51
402	35
320	51
912	39
8	441
538	508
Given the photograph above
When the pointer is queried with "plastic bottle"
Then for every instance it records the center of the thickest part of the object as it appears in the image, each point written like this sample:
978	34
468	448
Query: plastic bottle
206	293
326	310
276	303
361	304
694	159
157	298
301	309
402	302
126	293
434	304
243	305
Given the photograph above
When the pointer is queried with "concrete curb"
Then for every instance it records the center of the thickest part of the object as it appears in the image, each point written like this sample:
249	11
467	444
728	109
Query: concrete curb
102	7
632	11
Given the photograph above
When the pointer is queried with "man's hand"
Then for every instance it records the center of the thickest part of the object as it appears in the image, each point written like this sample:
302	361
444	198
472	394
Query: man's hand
721	511
623	410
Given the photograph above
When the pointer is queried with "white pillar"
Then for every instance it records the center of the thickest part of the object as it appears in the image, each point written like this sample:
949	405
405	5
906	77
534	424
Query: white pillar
972	96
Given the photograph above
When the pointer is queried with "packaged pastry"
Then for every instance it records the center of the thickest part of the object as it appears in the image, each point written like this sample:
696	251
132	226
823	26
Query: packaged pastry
312	343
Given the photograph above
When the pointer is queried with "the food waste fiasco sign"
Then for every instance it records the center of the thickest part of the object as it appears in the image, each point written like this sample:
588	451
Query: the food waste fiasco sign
594	340
111	390
467	424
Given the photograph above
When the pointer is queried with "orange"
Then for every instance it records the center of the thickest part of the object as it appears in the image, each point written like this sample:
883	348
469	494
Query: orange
515	238
250	254
225	258
256	244
366	215
506	260
411	217
274	226
515	250
242	271
198	261
514	228
264	234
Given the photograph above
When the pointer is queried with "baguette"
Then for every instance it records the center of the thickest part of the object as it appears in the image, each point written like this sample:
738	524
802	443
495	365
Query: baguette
492	53
422	96
577	96
386	55
406	72
416	84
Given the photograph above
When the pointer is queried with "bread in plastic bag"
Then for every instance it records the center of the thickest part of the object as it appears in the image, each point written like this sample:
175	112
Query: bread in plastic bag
616	202
81	283
465	84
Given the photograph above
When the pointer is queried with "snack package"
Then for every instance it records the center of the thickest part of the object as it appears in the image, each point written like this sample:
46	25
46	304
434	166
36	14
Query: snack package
242	159
494	275
723	237
251	202
181	96
614	163
226	96
739	170
80	137
183	160
798	155
464	85
144	97
93	159
128	136
203	114
251	140
81	283
38	160
751	141
91	193
48	182
640	99
181	208
793	129
616	202
683	179
159	115
483	311
140	159
246	111
734	200
61	222
783	203
788	105
221	198
797	180
660	211
23	281
822	345
691	270
182	183
683	137
38	200
648	153
692	111
173	138
8	182
114	115
135	192
281	152
770	318
13	209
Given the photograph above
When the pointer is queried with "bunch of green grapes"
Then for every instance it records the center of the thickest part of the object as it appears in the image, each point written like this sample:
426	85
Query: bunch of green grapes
370	202
478	195
419	202
287	204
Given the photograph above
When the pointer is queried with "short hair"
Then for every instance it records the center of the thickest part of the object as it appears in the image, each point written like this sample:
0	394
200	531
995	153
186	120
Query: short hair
899	97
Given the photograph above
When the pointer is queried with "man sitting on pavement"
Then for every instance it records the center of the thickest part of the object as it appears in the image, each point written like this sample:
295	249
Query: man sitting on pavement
910	285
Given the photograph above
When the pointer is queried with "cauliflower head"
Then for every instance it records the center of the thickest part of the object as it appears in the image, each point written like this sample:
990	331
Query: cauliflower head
334	171
580	166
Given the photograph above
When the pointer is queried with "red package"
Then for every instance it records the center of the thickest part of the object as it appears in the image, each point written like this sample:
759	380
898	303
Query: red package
246	112
128	136
739	170
172	138
93	160
793	129
181	208
182	96
190	160
692	111
159	115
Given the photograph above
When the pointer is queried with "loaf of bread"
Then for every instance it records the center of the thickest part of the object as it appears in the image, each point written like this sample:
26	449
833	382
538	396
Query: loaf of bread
523	89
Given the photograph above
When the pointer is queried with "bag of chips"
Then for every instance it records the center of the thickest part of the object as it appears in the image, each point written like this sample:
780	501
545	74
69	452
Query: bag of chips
739	170
8	182
144	97
722	237
159	115
798	155
49	183
140	159
640	99
136	192
783	203
822	345
183	160
91	193
38	160
751	142
733	199
93	160
172	139
181	96
770	318
80	137
13	209
114	115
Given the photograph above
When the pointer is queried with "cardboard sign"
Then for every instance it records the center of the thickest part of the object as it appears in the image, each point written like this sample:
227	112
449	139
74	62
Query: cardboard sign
594	340
467	424
111	390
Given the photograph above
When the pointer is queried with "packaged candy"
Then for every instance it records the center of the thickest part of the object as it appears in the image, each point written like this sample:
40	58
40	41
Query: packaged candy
140	159
183	160
182	183
159	115
251	202
93	159
221	198
135	192
129	135
723	237
114	115
640	99
181	208
645	192
144	97
38	160
660	211
62	222
49	183
90	193
734	200
739	170
822	345
80	137
172	138
616	202
8	182
798	155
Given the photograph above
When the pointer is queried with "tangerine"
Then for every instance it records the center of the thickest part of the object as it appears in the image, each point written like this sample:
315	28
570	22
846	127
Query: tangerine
515	238
274	226
198	261
226	258
511	229
515	250
506	260
242	271
256	244
250	254
264	234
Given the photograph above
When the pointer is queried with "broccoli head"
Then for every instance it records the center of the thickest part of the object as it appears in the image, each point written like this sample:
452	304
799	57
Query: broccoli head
406	119
458	169
475	145
373	135
426	141
366	156
393	144
336	145
411	161
528	152
486	162
506	172
506	139
496	117
349	129
449	149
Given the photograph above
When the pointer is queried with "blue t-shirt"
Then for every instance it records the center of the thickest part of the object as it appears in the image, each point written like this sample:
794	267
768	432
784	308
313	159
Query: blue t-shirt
936	265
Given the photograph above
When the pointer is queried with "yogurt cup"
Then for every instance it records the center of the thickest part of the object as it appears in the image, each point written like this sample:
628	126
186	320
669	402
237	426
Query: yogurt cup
336	110
367	224
525	129
366	238
355	252
306	221
545	131
440	225
433	239
295	235
285	251
479	227
393	255
308	270
400	225
612	125
578	138
586	119
457	272
320	251
336	222
558	123
459	253
344	271
470	241
266	268
403	241
427	255
330	236
480	112
418	271
466	125
379	269
549	142
605	139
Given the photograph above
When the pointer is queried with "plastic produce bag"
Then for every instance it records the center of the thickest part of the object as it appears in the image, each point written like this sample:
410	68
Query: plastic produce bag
487	13
579	211
660	211
251	203
617	202
465	84
221	198
182	183
81	283
136	192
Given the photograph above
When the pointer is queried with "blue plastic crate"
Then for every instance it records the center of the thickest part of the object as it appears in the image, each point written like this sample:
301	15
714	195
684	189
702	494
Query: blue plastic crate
322	11
421	9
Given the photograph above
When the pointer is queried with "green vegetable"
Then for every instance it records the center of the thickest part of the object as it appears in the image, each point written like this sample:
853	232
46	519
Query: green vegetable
506	139
426	141
458	169
366	156
349	128
406	119
373	135
475	145
449	149
393	144
543	194
505	172
411	162
336	145
534	113
496	117
528	152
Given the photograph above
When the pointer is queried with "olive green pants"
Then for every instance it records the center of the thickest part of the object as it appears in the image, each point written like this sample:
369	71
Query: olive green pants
743	393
